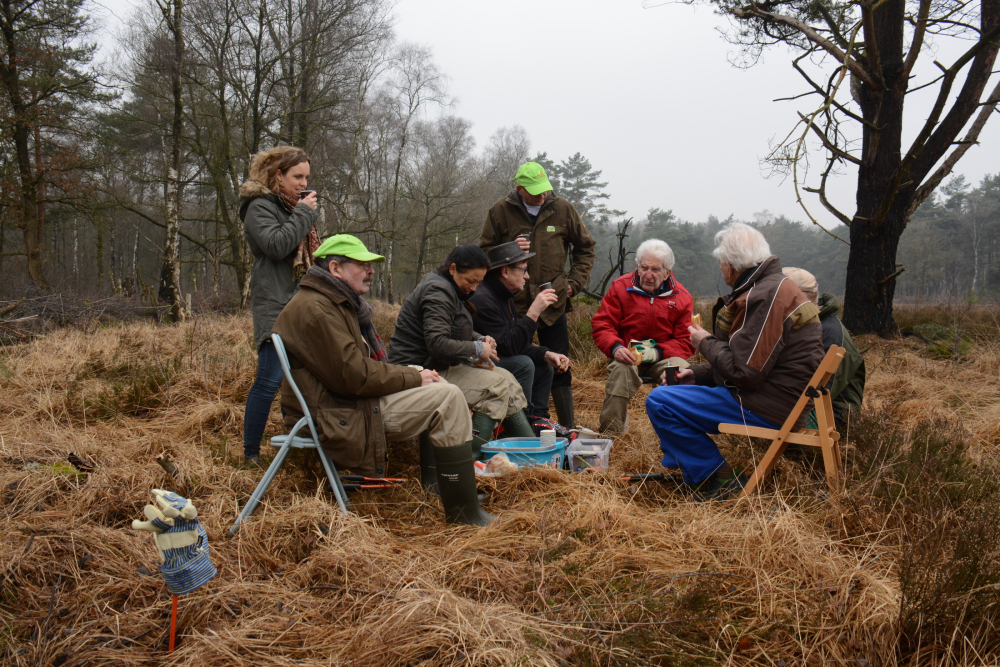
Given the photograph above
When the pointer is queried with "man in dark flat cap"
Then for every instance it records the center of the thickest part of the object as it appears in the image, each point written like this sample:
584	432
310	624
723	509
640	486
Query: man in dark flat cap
496	315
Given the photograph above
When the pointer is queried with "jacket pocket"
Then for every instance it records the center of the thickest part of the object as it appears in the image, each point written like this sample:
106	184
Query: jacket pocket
345	431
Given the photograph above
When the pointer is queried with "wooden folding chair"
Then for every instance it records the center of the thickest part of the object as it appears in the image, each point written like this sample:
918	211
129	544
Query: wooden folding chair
825	437
286	442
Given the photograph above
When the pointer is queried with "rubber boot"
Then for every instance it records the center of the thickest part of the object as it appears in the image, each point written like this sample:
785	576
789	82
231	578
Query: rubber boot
485	426
562	397
428	471
518	426
457	483
614	415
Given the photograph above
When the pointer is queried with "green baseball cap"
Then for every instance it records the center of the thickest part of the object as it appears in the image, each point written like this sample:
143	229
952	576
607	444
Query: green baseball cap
532	178
347	246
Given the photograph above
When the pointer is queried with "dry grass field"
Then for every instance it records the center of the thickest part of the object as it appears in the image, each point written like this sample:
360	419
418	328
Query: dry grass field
902	568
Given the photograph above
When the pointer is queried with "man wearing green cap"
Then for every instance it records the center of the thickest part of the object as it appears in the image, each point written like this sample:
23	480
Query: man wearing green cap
536	218
360	401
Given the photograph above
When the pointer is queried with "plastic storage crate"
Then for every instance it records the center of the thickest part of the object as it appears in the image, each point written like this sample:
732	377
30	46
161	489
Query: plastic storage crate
589	453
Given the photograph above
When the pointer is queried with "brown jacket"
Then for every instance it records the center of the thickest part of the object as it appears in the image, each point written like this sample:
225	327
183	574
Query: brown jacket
327	351
767	343
558	228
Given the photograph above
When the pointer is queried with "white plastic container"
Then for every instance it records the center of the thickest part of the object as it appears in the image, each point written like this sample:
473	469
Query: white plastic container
589	453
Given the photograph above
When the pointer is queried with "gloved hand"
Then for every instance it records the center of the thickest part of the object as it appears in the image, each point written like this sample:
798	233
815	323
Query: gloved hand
644	350
181	541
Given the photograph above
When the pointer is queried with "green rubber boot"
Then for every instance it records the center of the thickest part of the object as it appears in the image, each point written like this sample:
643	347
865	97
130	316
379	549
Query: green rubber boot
562	398
457	483
485	426
518	426
428	471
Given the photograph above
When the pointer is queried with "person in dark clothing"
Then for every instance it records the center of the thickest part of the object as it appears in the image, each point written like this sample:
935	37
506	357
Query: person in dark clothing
496	315
536	218
279	217
848	385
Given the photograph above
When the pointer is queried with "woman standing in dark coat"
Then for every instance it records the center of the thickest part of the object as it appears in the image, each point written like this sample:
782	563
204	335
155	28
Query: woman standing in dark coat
278	216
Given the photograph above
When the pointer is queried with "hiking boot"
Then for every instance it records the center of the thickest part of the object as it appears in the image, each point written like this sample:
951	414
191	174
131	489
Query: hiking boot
715	488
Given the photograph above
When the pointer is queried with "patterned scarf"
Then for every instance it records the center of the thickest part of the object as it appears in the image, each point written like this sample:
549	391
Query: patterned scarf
362	309
304	254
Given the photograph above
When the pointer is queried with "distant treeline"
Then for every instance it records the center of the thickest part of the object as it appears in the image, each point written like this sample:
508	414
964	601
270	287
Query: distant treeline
950	249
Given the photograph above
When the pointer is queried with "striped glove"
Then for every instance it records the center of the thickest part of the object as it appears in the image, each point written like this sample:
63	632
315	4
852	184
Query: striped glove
645	351
181	541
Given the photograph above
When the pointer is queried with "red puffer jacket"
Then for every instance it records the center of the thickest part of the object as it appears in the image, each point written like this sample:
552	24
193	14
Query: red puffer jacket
628	313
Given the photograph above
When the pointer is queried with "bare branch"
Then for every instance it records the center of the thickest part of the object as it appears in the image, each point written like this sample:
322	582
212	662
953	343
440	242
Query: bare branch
814	37
821	191
971	138
918	36
871	45
827	143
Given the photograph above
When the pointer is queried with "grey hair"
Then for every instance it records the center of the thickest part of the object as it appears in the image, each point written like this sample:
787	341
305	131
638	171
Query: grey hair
324	262
741	246
658	249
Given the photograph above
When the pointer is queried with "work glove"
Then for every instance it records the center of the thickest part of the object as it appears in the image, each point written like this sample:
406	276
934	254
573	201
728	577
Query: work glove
180	540
644	350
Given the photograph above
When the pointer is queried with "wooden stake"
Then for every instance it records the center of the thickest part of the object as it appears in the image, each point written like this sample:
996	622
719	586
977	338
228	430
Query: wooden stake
173	623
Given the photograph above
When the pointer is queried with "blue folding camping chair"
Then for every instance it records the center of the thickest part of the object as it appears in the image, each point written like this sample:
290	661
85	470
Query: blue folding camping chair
286	442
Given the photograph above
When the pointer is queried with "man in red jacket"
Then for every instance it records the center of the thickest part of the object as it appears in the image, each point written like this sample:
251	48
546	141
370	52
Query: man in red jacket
642	327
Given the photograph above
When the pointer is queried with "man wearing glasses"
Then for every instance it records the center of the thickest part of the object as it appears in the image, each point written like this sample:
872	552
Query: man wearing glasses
642	327
496	315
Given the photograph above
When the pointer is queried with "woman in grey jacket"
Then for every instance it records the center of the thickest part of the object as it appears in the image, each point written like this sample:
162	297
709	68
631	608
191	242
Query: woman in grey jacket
278	216
434	330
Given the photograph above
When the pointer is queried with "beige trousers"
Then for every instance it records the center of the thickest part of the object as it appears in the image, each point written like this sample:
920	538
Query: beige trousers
622	383
439	407
495	392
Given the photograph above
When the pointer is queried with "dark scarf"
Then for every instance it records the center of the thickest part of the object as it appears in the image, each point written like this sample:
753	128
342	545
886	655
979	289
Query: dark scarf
304	254
362	309
462	296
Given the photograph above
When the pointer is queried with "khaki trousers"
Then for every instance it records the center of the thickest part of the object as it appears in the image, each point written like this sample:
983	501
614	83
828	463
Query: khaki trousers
439	407
495	393
622	383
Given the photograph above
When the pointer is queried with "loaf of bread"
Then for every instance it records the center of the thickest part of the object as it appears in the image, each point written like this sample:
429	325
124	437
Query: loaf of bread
696	320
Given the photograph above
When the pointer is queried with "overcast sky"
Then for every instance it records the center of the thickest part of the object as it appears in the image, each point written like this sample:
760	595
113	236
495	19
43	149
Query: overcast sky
647	93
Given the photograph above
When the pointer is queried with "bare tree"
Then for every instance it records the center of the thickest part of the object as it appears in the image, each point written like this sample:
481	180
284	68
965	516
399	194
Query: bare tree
857	59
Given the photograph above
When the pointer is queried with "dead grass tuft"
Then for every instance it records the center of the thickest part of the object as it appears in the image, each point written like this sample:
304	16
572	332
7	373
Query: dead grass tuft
582	569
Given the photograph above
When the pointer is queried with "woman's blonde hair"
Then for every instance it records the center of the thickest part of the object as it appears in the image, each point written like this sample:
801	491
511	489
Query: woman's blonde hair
265	165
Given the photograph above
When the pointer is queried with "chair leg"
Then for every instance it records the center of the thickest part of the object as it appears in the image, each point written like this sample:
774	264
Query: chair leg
765	467
338	490
831	449
258	493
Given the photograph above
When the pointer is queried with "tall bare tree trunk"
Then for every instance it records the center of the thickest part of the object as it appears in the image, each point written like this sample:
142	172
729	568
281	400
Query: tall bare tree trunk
170	268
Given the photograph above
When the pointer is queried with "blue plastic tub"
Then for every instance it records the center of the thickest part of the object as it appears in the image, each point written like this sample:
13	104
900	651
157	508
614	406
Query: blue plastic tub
528	452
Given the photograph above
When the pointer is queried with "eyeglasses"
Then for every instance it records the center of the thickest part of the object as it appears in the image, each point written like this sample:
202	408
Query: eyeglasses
650	269
522	269
367	266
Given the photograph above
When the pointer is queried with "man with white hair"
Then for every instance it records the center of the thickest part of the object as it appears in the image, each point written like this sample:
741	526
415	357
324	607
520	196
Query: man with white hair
642	327
847	387
764	347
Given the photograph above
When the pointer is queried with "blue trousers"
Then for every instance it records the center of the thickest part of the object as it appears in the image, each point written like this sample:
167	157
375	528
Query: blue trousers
683	414
262	393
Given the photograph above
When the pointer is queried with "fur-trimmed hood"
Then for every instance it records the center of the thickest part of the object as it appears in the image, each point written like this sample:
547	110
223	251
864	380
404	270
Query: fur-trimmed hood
252	189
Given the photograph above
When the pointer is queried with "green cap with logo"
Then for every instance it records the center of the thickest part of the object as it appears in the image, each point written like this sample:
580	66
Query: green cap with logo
347	246
532	178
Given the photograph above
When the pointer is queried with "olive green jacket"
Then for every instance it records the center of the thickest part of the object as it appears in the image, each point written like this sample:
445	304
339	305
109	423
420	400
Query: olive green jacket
558	234
273	235
332	366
